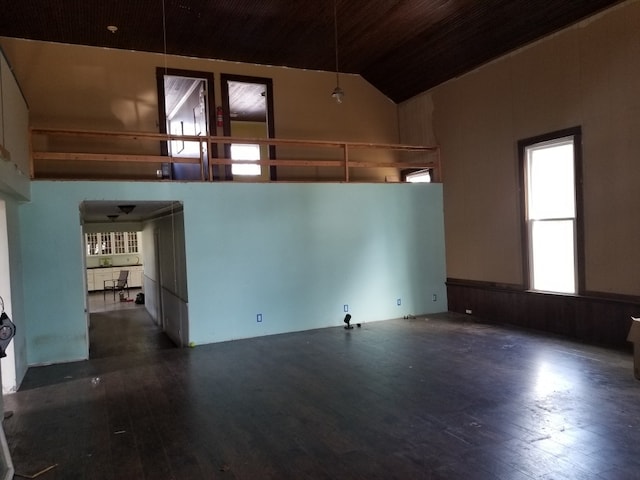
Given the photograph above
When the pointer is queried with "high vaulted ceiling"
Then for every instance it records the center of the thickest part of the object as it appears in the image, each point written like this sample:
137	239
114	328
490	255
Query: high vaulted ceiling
402	47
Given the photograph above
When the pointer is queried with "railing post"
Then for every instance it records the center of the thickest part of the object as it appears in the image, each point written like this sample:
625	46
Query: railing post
346	163
32	166
202	176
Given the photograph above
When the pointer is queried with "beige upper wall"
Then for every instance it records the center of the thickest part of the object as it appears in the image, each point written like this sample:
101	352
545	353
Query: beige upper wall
586	75
70	86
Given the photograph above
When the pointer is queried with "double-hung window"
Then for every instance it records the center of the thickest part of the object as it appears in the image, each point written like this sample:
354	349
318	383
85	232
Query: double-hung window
552	230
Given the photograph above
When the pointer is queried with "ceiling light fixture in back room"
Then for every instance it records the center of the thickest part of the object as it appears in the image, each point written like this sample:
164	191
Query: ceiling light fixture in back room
126	209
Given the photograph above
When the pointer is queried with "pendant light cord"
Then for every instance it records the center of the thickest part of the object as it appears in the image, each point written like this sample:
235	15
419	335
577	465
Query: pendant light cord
2	110
335	37
164	36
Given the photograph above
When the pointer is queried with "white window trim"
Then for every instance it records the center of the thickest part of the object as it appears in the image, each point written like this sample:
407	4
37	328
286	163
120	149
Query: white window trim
573	136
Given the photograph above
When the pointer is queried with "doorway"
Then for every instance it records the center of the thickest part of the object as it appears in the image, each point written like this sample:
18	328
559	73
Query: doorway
124	236
185	100
247	104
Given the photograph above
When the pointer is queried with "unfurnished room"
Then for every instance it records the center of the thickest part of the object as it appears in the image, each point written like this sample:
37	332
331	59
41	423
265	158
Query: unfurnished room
321	239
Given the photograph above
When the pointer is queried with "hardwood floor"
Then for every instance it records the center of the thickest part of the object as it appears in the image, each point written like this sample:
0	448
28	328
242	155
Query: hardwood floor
125	332
109	301
427	398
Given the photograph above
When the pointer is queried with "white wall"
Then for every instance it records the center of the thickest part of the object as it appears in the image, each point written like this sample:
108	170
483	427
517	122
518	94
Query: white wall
14	131
166	297
14	188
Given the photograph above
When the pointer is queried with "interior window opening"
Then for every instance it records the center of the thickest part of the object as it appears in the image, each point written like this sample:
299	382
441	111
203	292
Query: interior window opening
421	176
247	152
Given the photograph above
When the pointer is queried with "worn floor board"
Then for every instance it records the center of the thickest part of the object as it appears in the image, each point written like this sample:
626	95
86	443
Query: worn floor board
428	398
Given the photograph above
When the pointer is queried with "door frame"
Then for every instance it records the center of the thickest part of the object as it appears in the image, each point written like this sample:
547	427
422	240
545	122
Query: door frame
9	380
226	117
210	106
157	256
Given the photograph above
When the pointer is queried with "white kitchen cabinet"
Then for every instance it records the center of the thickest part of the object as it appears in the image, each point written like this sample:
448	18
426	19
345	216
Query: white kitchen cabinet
112	243
97	276
135	276
90	280
100	275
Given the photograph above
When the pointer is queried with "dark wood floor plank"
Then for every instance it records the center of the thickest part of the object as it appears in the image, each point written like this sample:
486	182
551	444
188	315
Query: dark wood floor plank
426	398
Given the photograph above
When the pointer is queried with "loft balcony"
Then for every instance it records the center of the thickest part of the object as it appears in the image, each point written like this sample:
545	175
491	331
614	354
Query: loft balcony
146	156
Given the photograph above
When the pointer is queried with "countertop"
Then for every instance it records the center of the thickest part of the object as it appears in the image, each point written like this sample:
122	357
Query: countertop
115	266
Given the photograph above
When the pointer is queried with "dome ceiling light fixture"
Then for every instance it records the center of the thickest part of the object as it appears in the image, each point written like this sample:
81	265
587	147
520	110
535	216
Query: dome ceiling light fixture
126	209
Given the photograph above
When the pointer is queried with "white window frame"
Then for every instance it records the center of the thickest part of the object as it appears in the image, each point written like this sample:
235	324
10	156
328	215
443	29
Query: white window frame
247	152
552	218
421	176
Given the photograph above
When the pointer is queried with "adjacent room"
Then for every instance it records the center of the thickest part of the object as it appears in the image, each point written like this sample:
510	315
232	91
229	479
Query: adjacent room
323	239
114	237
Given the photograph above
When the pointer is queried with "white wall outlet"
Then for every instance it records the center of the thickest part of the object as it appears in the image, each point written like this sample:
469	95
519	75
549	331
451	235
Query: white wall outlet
468	311
259	318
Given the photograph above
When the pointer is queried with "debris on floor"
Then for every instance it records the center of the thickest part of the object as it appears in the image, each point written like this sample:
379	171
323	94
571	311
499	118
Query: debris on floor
36	475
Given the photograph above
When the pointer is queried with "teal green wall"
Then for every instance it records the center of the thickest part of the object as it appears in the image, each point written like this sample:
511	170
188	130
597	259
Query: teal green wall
296	253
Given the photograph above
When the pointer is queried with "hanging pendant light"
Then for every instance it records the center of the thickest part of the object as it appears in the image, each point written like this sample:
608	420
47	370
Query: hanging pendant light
338	93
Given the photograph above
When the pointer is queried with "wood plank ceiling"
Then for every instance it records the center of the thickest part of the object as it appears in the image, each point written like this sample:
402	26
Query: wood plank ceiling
402	47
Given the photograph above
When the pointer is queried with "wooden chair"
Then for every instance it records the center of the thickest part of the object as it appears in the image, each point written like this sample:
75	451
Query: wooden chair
120	284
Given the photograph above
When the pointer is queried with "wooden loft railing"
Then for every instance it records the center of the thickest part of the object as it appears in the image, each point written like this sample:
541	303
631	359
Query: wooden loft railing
345	163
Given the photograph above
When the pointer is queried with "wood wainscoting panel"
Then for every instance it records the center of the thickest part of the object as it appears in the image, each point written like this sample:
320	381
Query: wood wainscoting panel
594	318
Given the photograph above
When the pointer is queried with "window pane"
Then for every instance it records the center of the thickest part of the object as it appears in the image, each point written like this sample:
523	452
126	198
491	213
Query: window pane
119	242
106	244
423	176
552	255
551	181
92	244
133	242
245	152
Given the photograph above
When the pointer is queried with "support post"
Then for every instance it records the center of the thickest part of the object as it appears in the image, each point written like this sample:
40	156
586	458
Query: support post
346	163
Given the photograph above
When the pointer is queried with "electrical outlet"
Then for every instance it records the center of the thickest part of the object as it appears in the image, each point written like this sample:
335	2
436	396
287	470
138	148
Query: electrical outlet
259	318
346	307
399	301
434	298
468	311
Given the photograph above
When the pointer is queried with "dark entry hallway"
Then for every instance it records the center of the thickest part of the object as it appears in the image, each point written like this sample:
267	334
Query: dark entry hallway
125	331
